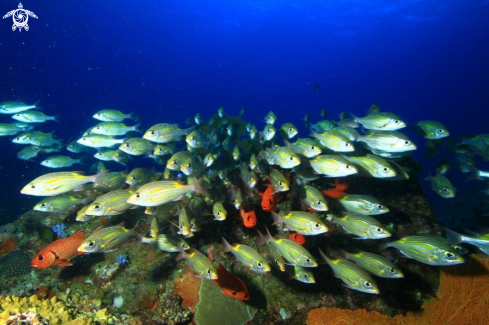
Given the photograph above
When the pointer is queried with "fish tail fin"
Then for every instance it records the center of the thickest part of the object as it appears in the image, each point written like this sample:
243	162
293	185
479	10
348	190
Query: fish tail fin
55	118
137	128
262	239
199	188
383	246
324	258
97	179
189	130
35	104
227	247
454	237
134	117
181	255
276	218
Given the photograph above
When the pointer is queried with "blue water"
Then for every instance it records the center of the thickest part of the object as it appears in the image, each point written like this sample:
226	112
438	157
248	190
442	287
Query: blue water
168	60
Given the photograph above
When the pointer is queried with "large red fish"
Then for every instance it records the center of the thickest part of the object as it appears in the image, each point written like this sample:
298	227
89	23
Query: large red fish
230	284
249	217
270	199
58	252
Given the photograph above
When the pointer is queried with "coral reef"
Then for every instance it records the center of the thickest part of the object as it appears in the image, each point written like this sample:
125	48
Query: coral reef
15	263
7	246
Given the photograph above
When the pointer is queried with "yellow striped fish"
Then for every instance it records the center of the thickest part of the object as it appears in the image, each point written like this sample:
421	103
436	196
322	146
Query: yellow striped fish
332	166
104	240
200	264
247	256
110	204
58	183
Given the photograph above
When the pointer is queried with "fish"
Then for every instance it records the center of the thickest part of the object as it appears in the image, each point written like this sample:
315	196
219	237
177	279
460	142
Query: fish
110	204
196	139
388	141
249	217
166	242
99	141
298	238
104	240
15	107
279	182
334	141
137	147
363	204
112	115
363	226
161	192
231	285
332	166
304	146
58	183
268	132
288	131
338	191
9	129
29	152
269	199
58	252
270	118
432	130
34	117
219	211
426	249
115	128
60	161
199	263
313	198
300	273
382	121
442	186
290	250
248	256
481	241
374	165
60	203
284	157
375	264
305	223
164	133
353	276
105	155
138	177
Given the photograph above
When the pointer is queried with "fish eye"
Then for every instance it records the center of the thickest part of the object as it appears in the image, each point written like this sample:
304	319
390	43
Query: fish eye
33	186
393	271
152	132
280	184
396	121
347	166
259	264
407	143
306	276
439	130
184	246
209	272
319	203
96	207
385	169
29	138
133	177
191	138
449	255
313	148
43	205
46	161
308	260
72	146
291	158
40	257
91	243
138	196
367	284
98	127
291	130
317	225
380	206
445	190
347	144
457	248
126	145
379	230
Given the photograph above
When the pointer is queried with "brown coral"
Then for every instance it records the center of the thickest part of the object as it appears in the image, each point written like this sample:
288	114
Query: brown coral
187	287
7	246
463	299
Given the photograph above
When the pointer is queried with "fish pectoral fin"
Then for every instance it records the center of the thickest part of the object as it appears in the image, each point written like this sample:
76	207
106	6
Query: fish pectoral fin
66	263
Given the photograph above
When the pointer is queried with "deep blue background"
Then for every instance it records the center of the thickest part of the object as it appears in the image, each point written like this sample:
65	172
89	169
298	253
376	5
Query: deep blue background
168	60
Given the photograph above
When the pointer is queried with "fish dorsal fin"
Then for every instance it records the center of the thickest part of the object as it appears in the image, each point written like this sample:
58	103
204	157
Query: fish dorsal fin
98	229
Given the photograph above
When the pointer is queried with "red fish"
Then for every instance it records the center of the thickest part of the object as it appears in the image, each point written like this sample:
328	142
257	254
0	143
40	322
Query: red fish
249	217
230	284
298	238
338	191
269	199
58	252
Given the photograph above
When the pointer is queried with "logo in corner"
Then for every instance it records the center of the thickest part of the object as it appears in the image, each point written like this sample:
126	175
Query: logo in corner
20	17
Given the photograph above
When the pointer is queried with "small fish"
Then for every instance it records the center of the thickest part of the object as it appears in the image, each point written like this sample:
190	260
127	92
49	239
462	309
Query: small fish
443	166
442	186
220	112
479	240
58	183
60	161
110	204
279	182
334	141
112	115
175	162
164	132
138	177
15	107
112	180
432	130
313	198
363	226
290	250
284	157
166	243
104	240
375	264
269	199
427	250
105	155
388	141
298	238
247	256
253	132
114	128
137	147
99	141
332	166
277	259
305	146
34	117
161	192
304	223
338	191
219	211
288	131
382	121
75	147
9	129
363	204
270	118
231	285
60	203
300	274
29	152
374	165
268	132
164	149
249	217
197	139
352	275
199	263
58	252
